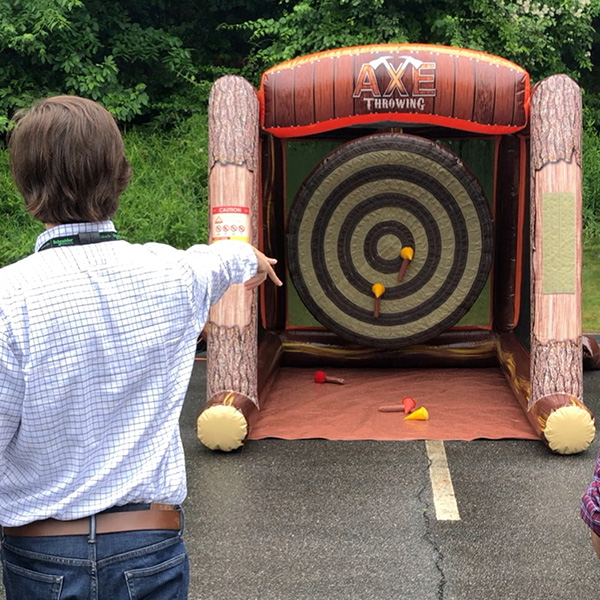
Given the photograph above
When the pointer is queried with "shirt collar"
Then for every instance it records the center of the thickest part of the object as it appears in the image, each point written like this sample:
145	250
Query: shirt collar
72	229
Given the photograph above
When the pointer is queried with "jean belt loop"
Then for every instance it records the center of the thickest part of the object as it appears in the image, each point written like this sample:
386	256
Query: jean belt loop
92	537
182	514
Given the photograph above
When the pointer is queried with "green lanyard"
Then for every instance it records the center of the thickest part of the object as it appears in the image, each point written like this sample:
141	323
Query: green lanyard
80	239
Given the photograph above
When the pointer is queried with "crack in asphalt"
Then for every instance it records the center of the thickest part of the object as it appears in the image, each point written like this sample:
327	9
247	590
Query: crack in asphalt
428	535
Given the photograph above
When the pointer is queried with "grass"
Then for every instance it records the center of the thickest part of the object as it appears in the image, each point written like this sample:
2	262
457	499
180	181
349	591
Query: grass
591	176
17	229
167	201
591	285
591	222
167	198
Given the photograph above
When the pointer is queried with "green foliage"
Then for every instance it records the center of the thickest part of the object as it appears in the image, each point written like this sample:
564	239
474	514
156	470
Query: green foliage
591	181
311	26
167	198
590	82
155	60
591	285
165	202
92	49
17	229
544	37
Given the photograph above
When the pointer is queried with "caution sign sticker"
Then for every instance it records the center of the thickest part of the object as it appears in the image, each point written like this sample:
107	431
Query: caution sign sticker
230	223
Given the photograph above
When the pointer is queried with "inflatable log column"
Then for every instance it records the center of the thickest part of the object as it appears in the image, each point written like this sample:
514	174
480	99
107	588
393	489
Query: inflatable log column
556	369
231	330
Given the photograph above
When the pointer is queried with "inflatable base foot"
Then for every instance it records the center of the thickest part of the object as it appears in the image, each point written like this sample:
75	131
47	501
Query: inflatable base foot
222	427
569	430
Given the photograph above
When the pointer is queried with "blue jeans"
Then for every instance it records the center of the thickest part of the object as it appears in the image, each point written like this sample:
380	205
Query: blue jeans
152	565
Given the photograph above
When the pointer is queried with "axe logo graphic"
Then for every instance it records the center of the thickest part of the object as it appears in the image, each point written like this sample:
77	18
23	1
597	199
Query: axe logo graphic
382	85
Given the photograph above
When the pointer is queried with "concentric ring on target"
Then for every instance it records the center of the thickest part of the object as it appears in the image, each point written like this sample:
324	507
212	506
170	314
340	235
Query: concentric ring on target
352	216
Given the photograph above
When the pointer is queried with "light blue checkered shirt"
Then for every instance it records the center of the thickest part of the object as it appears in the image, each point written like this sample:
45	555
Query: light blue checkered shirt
97	345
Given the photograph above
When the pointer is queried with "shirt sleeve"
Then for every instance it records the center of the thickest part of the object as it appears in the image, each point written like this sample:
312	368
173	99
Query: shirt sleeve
12	388
218	266
590	503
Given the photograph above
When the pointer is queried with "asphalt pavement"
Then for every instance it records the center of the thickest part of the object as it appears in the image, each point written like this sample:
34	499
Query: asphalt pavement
323	520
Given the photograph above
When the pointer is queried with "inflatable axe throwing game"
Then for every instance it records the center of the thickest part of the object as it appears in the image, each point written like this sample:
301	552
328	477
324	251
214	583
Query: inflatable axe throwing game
424	204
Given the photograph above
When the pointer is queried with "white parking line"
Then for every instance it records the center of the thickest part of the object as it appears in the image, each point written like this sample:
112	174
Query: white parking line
444	499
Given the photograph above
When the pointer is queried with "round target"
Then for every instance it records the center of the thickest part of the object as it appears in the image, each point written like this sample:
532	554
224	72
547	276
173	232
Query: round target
389	240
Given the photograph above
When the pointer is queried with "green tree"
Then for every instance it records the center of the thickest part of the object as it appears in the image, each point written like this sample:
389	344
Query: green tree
591	83
143	59
157	59
544	37
93	49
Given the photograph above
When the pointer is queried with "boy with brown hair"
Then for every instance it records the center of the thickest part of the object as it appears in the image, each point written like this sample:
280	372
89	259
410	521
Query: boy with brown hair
97	343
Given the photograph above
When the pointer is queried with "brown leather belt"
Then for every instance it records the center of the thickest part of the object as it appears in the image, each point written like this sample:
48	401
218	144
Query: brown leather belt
158	516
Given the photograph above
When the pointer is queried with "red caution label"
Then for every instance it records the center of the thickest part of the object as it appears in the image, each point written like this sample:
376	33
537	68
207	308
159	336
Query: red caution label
230	223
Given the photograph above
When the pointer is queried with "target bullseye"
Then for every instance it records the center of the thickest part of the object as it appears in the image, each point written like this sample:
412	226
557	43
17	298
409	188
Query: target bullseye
356	212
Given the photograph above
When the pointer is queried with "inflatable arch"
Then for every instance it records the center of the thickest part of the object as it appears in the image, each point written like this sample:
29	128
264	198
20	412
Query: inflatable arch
435	175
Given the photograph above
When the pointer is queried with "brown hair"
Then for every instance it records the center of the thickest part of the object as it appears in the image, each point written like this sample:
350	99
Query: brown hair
68	161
